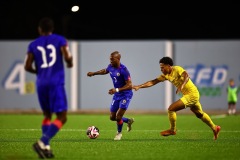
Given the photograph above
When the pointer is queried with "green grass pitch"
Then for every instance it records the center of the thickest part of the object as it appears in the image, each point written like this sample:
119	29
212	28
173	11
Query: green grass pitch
194	139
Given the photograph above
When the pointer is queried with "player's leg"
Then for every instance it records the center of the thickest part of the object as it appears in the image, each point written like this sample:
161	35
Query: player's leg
39	147
46	121
124	104
119	120
43	99
197	110
54	128
173	108
229	108
234	108
113	117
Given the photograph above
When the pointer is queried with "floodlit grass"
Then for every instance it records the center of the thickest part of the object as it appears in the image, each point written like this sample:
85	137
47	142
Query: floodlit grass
194	139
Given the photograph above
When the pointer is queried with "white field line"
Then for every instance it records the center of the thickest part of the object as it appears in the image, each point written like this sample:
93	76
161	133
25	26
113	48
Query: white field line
83	130
219	116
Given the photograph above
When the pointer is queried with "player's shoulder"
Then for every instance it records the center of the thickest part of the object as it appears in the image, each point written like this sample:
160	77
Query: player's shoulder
178	68
122	66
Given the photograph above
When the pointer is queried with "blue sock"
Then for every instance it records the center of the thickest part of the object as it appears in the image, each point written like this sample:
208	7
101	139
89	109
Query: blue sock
119	126
44	129
51	132
45	125
125	120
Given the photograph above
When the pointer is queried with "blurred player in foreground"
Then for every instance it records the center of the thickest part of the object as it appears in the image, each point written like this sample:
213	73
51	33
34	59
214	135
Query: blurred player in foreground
122	91
181	80
47	53
232	93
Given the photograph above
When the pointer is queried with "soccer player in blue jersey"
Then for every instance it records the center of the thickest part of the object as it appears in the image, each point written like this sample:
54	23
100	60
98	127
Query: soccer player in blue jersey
122	91
190	95
45	59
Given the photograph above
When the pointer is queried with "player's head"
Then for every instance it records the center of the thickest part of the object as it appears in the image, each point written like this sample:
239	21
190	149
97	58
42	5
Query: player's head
166	60
231	82
166	64
46	26
115	59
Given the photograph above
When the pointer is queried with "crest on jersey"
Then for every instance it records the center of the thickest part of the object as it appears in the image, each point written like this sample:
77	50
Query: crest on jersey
118	74
124	101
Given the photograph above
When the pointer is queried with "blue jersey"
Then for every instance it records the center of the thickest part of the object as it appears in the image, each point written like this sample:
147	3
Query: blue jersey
49	65
48	59
119	77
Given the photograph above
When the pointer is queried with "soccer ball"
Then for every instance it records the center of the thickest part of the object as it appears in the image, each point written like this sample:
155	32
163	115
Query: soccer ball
92	132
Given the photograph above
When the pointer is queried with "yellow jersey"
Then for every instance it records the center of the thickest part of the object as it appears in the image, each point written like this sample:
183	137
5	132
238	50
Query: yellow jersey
177	80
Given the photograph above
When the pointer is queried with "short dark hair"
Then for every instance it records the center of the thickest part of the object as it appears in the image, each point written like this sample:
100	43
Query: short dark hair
46	24
166	60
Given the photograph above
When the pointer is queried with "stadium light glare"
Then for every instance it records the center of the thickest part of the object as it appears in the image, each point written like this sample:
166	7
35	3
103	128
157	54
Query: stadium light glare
75	8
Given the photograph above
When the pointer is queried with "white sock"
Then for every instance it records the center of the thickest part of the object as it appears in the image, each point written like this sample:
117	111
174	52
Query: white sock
41	144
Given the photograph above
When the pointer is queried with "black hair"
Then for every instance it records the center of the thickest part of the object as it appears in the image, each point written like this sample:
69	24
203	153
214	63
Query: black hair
46	24
166	60
116	53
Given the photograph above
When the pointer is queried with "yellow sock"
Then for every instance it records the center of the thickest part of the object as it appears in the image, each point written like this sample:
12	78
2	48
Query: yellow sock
172	116
206	119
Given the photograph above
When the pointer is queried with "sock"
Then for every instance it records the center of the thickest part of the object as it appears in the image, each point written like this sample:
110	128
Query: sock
45	125
206	119
51	132
233	111
125	120
229	111
119	126
172	116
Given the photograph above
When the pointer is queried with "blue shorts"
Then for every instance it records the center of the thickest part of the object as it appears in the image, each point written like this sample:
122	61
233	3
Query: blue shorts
52	98
120	103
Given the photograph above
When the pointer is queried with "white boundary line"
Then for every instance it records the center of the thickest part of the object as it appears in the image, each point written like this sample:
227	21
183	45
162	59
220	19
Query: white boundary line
219	116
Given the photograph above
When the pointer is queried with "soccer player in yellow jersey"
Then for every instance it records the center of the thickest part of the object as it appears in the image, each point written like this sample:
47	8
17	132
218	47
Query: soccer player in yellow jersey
181	80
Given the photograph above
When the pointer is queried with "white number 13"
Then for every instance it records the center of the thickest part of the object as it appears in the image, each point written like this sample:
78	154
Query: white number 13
44	58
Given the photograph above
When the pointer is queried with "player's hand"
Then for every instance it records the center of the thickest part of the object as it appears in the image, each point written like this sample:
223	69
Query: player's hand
69	65
90	74
112	91
135	87
179	89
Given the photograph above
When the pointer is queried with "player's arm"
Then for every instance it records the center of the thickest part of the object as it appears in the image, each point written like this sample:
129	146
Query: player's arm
238	90
149	83
100	72
186	77
127	86
67	56
28	66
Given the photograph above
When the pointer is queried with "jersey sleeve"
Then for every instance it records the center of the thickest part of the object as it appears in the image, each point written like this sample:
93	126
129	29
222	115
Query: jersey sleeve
126	74
108	67
179	69
63	41
161	78
30	48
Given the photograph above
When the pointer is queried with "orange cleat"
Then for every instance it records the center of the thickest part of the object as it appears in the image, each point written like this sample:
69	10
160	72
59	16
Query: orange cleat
216	132
168	133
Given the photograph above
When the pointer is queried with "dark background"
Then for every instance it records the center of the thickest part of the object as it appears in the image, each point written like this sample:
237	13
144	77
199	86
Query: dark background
122	19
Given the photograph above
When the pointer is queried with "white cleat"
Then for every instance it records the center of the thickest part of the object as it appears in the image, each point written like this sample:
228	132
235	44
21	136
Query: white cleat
118	136
129	124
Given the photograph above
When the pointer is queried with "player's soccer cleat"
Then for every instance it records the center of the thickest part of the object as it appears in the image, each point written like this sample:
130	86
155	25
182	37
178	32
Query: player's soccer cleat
129	124
42	153
168	132
216	132
118	136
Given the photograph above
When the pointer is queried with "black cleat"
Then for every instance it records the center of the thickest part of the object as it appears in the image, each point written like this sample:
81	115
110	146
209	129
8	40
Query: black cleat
42	153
